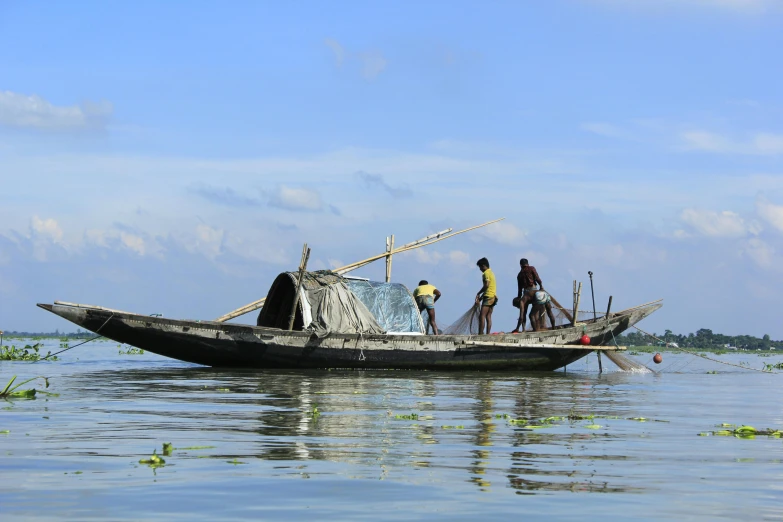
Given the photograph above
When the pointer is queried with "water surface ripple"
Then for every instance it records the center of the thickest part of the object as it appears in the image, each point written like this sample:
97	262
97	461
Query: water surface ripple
388	445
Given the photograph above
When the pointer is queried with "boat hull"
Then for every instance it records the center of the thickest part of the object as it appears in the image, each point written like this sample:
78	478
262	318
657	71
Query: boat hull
233	345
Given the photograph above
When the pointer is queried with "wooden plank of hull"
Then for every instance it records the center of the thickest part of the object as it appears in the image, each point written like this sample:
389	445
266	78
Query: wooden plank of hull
231	345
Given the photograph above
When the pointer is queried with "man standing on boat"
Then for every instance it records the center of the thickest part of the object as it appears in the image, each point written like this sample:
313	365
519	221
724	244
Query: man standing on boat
487	295
425	295
527	279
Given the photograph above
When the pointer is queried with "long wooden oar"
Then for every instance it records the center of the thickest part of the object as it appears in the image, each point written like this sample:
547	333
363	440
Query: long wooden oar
434	238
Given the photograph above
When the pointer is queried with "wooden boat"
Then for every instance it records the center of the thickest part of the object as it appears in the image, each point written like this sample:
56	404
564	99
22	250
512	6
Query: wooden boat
328	320
219	344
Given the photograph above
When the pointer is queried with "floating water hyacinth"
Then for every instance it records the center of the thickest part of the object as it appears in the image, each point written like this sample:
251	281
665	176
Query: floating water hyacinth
9	392
131	351
154	460
28	353
743	432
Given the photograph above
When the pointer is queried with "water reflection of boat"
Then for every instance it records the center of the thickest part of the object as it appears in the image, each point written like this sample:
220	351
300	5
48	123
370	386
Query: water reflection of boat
345	323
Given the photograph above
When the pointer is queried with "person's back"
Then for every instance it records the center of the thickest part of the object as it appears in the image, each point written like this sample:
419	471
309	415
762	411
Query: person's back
528	282
426	289
425	296
528	278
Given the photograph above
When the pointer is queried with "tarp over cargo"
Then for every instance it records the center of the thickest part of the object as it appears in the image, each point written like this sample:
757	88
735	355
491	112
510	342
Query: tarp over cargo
391	304
329	303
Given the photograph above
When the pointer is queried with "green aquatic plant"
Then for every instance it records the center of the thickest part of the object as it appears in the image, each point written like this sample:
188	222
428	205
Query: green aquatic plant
154	460
742	432
28	353
412	416
769	367
9	392
194	448
460	427
502	416
168	448
131	351
314	413
518	422
593	426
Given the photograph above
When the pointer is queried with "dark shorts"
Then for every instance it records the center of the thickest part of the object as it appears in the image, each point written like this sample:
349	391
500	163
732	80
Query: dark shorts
425	301
489	301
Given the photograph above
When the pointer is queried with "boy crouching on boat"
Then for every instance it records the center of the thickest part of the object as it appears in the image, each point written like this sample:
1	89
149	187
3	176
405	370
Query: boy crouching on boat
540	302
425	295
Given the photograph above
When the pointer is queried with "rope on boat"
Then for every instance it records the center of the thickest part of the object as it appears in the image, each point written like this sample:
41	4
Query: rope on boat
75	345
703	356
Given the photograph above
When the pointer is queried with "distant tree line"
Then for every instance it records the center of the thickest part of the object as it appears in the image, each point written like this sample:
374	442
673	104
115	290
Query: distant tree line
81	334
704	338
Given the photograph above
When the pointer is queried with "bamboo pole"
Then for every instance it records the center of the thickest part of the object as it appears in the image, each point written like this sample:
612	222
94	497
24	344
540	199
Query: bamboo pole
389	248
577	297
302	268
608	307
353	266
426	241
431	236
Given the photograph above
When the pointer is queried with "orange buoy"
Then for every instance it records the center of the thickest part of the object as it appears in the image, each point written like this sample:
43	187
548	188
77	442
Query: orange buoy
657	358
585	339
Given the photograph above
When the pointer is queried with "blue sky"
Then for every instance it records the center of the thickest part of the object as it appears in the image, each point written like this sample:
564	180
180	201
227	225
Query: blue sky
173	158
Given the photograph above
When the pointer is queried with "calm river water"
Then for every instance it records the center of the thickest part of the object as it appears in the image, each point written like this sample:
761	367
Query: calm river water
251	444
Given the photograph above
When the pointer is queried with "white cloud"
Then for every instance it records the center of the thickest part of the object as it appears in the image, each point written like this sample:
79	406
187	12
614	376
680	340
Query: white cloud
133	242
715	224
458	257
32	111
426	257
291	198
209	241
760	252
505	233
771	213
337	49
761	144
373	64
46	228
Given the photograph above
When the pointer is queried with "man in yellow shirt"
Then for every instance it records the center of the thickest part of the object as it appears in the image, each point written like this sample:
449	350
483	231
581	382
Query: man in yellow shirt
487	295
425	295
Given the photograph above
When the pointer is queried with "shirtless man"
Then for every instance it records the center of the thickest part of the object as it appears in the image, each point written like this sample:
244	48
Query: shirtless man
527	279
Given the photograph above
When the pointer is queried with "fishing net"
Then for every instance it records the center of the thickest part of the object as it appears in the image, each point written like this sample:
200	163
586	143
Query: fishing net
467	324
626	364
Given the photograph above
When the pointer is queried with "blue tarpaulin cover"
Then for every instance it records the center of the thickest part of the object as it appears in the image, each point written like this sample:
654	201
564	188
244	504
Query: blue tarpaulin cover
391	304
